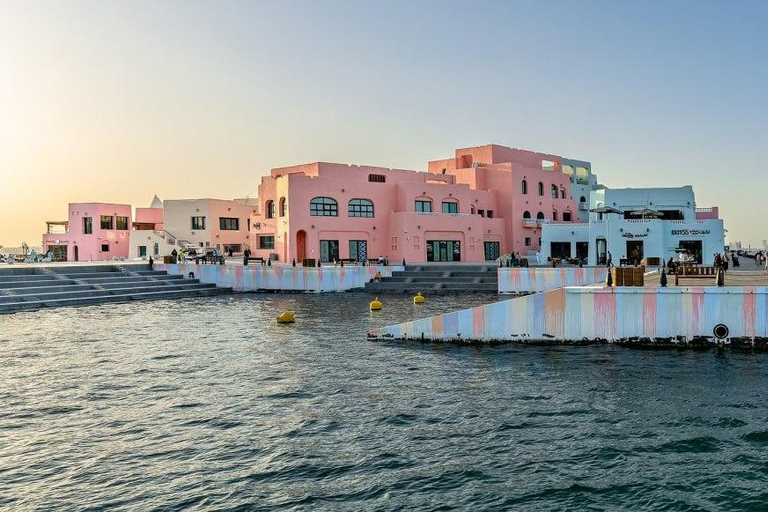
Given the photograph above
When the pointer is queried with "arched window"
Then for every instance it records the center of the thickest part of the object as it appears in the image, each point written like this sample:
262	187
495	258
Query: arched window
423	205
562	193
526	214
554	214
282	206
323	207
582	199
270	209
554	192
449	206
541	189
540	216
360	208
524	187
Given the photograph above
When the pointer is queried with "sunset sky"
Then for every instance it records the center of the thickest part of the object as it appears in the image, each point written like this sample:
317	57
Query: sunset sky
118	101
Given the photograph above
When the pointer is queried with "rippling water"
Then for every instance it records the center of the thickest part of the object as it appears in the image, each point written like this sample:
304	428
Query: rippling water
210	404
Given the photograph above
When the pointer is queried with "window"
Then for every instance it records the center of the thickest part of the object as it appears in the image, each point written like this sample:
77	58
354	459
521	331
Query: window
554	192
377	178
547	165
104	247
481	213
524	187
122	223
107	222
562	193
527	241
266	242
566	216
526	214
450	207
360	208
270	209
323	207
283	206
541	189
582	199
540	216
554	214
87	225
490	214
198	222
423	206
231	223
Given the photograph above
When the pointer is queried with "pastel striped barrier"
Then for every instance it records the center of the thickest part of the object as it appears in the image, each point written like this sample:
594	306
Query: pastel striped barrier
279	277
543	279
572	315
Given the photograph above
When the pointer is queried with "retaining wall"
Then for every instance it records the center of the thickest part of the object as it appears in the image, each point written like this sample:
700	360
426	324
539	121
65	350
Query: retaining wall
281	278
568	315
543	279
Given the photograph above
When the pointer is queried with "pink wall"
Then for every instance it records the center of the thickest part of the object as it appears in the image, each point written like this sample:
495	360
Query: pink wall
150	216
90	247
708	213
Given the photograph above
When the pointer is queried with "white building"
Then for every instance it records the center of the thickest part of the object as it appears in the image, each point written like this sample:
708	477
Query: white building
634	224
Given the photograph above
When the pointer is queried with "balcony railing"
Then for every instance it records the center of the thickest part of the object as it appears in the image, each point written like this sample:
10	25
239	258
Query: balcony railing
584	207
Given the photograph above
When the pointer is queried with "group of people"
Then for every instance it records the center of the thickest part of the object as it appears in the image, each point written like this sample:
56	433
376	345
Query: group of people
761	259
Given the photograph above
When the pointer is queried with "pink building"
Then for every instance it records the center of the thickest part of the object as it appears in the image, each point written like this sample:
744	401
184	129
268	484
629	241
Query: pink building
484	202
531	189
93	232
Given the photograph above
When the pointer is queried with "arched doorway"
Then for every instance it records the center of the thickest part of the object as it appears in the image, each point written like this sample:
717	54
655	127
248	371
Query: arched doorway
77	254
301	245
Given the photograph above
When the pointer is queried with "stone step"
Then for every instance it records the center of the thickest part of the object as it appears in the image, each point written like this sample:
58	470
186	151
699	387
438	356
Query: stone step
13	278
198	291
421	279
9	299
37	283
421	287
94	269
57	286
126	278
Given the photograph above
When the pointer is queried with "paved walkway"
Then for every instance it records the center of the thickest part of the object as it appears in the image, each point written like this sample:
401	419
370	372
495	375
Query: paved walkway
749	276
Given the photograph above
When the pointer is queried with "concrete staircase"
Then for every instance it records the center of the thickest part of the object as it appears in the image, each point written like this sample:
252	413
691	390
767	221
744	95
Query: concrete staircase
440	278
24	288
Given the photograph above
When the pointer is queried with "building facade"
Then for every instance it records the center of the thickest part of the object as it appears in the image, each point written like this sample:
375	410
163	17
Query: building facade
204	223
92	232
654	224
484	202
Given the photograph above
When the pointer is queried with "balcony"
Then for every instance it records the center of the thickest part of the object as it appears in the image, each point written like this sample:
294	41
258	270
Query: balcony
532	223
57	227
584	207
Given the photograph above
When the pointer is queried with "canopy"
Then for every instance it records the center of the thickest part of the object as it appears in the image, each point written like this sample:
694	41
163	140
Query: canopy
605	209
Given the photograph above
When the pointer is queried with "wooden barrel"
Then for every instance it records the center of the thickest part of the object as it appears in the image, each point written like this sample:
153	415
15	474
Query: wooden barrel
618	276
638	278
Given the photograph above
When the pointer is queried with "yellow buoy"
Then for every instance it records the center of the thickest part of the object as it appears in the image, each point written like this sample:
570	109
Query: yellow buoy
419	298
376	304
286	318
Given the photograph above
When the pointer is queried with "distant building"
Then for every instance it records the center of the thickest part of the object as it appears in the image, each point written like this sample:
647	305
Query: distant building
92	232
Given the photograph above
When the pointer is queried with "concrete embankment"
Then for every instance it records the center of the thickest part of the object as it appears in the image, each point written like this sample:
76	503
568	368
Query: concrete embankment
640	316
281	278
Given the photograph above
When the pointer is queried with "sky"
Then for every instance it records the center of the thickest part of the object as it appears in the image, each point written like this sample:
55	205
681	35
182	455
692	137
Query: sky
117	101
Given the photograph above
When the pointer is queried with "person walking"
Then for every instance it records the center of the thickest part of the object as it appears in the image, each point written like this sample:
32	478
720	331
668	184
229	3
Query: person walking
609	260
151	263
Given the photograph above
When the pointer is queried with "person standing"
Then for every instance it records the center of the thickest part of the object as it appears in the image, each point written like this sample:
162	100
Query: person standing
151	263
